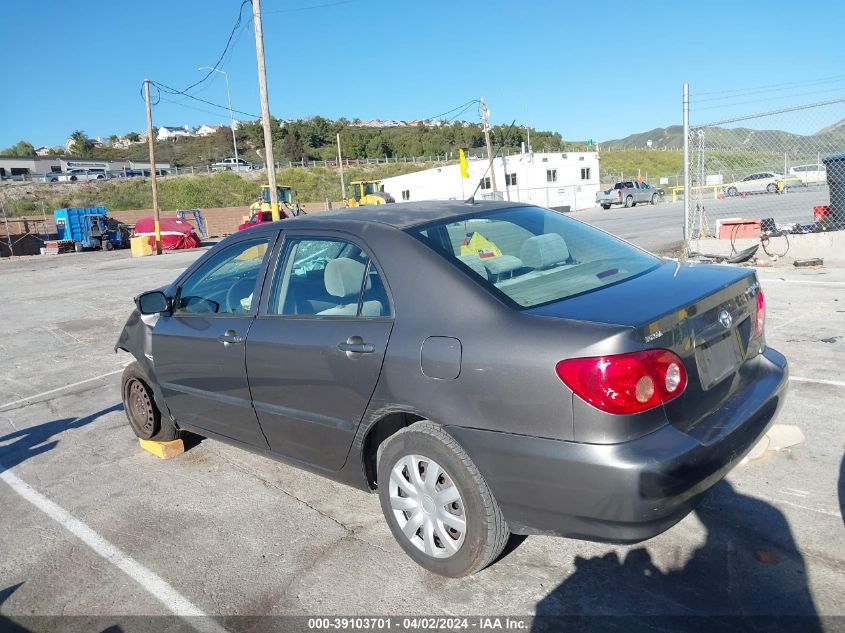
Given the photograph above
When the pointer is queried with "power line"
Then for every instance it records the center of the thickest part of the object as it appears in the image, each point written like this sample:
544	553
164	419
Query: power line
173	91
225	49
443	114
309	8
781	86
769	91
765	99
190	107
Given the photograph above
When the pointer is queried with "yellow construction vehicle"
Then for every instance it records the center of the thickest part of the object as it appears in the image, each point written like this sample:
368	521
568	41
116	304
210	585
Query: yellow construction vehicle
367	192
260	211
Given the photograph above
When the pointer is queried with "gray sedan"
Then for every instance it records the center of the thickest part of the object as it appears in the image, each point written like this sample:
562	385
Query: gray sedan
487	368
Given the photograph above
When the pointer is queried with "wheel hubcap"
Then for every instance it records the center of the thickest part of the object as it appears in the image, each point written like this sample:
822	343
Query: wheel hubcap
140	406
427	506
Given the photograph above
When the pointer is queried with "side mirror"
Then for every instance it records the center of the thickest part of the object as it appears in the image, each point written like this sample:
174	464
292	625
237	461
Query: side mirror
154	302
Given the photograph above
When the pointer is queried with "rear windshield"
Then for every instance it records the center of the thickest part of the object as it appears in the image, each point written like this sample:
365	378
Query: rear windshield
534	256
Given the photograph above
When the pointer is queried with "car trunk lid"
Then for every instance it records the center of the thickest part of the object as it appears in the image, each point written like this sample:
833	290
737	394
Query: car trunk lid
704	314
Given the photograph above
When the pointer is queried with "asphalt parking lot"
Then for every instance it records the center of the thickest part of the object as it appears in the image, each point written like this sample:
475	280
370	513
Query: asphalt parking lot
660	227
94	526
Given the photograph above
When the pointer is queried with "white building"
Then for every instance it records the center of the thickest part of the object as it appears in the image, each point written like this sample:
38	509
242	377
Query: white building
565	181
206	130
165	132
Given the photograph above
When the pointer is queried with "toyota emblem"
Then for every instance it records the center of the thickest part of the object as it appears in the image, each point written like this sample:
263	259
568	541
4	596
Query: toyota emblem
725	319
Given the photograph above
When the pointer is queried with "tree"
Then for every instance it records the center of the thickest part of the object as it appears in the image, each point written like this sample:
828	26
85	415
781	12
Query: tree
293	148
379	146
80	144
21	148
132	137
114	138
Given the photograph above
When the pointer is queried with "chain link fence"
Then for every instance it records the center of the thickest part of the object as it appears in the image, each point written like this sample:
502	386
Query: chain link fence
775	172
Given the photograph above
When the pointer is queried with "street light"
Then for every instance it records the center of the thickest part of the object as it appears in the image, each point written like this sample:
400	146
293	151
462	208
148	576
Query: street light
231	113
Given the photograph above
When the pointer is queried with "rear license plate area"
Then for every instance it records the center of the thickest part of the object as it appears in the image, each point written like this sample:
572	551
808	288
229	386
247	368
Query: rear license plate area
717	359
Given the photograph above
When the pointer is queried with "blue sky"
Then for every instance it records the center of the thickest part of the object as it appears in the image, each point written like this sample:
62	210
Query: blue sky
566	66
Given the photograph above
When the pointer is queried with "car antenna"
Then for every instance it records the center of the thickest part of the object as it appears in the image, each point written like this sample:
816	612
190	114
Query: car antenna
471	199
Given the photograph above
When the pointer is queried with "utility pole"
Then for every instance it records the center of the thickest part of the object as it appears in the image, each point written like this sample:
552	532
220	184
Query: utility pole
485	118
687	193
340	164
152	145
265	110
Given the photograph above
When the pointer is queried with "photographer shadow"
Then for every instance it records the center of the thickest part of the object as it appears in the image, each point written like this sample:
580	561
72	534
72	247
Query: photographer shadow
748	572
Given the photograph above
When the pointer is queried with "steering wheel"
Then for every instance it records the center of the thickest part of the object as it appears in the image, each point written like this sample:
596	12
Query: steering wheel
241	289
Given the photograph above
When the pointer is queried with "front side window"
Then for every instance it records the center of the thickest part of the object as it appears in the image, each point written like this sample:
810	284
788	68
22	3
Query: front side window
327	277
226	283
534	256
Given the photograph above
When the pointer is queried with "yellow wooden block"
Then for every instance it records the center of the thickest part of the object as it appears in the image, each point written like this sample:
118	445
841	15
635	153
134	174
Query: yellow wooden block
163	450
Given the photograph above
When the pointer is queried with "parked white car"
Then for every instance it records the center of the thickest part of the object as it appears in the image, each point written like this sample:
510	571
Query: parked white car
763	182
233	164
809	174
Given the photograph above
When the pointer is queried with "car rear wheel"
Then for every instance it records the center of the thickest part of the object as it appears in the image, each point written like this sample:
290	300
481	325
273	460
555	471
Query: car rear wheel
73	178
437	504
654	198
629	201
141	410
732	192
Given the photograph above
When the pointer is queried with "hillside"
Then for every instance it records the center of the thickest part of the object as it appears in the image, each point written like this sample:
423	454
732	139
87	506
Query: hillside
224	189
662	137
316	139
747	139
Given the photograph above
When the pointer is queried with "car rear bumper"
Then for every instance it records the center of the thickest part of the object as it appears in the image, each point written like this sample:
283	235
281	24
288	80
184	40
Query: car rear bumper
628	492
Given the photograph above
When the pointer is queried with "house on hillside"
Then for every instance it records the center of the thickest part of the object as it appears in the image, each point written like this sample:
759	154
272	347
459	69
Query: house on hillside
166	132
206	130
42	151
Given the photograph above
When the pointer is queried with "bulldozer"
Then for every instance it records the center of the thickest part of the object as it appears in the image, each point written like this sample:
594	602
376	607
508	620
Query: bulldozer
367	192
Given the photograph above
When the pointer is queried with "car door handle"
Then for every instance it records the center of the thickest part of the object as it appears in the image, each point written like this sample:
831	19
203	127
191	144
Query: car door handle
230	337
356	345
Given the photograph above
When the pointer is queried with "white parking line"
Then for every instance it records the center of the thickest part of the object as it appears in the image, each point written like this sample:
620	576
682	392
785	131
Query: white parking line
57	389
152	583
818	381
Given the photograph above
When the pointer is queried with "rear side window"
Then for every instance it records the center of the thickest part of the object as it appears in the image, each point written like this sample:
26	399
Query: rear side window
532	256
327	278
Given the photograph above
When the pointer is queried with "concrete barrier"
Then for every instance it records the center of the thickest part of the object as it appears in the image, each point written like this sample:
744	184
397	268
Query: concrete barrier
829	245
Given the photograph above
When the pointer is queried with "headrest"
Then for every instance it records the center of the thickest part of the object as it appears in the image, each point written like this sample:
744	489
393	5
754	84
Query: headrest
544	251
475	263
343	277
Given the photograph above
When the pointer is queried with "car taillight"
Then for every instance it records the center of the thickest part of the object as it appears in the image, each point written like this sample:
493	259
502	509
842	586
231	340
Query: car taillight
625	383
760	317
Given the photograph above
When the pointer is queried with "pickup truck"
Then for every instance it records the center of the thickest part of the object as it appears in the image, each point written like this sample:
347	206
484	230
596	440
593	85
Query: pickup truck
230	163
628	193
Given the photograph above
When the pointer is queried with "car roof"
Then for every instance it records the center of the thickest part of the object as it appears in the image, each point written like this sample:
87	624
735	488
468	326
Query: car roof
402	215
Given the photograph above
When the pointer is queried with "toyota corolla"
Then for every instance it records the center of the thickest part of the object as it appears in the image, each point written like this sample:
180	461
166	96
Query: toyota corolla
487	368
